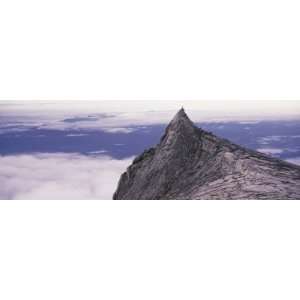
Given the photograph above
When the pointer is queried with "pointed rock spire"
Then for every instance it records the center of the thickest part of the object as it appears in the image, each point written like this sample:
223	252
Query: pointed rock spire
181	127
180	115
180	122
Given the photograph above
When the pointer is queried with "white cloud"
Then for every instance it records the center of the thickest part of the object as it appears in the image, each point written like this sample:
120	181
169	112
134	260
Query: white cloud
59	176
275	138
271	138
77	134
249	122
294	160
98	152
270	150
118	129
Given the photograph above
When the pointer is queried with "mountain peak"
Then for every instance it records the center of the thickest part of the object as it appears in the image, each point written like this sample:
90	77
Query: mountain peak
180	115
180	131
180	122
190	163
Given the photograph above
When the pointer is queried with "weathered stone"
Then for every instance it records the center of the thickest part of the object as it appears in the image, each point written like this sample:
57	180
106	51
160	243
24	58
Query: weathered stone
190	163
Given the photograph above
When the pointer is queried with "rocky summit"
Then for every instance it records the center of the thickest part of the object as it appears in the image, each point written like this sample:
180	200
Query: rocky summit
190	163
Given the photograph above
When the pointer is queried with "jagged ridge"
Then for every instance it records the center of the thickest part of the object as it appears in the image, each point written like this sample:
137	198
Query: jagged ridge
190	163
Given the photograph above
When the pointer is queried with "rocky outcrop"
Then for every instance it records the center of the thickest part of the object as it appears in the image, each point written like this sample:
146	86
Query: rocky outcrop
190	163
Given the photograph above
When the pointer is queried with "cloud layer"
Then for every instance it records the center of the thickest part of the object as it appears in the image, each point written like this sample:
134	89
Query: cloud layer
294	160
62	176
59	176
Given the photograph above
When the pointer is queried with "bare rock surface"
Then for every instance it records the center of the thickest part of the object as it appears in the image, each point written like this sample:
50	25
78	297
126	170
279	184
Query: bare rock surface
190	163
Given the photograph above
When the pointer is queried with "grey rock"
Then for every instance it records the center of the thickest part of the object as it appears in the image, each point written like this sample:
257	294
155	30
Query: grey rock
190	163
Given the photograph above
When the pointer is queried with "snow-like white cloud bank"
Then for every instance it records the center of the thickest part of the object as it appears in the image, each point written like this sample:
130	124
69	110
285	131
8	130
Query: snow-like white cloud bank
270	150
59	176
294	160
275	138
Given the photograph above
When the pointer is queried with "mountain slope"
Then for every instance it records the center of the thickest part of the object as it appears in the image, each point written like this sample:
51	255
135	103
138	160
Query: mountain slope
190	163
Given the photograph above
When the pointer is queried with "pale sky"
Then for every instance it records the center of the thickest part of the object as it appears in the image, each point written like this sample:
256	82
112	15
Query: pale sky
158	110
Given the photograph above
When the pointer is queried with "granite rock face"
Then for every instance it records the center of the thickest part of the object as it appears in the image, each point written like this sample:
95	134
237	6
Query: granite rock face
190	163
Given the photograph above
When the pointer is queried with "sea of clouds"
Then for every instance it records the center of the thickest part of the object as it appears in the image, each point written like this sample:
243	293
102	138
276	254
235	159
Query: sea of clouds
76	176
59	176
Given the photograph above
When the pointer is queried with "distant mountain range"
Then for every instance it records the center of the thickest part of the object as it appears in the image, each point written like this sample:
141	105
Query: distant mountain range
191	163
